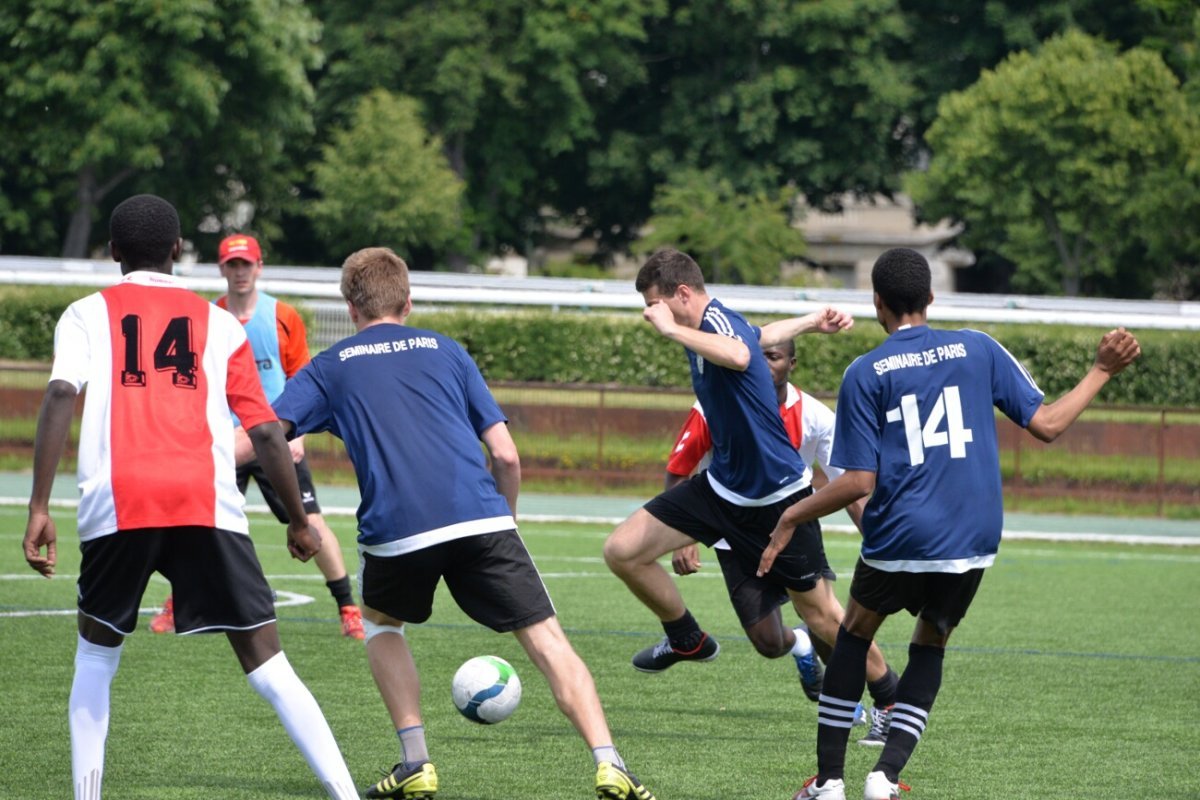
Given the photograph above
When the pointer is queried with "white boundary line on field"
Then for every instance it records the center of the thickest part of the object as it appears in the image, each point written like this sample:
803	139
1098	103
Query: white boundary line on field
1010	535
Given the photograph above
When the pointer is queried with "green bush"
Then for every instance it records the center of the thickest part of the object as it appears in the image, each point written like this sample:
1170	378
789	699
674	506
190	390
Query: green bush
620	349
570	347
28	315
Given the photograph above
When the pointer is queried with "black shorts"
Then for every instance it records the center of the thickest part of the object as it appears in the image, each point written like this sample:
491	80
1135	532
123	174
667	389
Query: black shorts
753	598
215	578
696	510
308	493
490	576
939	598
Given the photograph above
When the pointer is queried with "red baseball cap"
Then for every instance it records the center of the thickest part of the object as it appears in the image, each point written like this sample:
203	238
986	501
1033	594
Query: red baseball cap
239	246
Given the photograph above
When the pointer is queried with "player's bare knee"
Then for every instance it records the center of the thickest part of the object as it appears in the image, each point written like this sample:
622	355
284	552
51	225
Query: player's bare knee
770	646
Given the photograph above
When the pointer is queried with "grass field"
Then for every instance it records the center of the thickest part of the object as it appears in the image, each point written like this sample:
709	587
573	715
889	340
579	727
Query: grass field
1077	674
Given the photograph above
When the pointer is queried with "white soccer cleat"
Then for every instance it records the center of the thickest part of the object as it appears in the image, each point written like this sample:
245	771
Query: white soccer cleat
834	789
878	787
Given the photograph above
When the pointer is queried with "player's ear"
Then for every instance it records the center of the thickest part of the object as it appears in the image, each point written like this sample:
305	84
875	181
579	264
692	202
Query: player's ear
177	250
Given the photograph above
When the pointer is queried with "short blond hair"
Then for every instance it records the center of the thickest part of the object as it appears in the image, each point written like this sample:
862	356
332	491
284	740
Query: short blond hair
375	281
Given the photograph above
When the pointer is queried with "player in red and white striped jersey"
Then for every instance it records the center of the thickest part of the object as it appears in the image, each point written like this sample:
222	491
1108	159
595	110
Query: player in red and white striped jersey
163	367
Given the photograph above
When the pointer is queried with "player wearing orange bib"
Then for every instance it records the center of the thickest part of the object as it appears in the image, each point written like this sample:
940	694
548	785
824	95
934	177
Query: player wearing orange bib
280	345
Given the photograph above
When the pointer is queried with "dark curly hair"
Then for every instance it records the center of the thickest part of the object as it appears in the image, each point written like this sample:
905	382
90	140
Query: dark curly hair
144	228
901	278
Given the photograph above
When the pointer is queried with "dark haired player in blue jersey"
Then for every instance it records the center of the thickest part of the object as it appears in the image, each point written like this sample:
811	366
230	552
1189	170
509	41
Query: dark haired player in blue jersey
412	409
755	472
916	431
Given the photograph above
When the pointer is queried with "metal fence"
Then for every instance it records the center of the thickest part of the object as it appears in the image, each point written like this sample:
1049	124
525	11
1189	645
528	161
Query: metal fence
604	438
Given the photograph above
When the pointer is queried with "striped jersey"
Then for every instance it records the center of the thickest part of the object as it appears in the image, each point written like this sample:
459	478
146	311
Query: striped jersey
753	462
162	367
918	412
808	422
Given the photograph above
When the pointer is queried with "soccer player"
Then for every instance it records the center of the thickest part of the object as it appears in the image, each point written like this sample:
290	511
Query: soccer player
754	475
162	368
916	431
809	424
412	409
280	345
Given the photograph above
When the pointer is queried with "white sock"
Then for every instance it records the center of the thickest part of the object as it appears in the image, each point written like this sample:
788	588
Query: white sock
280	686
87	713
803	645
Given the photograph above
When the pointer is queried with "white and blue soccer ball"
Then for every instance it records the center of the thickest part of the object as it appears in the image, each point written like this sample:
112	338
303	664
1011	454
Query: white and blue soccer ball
486	690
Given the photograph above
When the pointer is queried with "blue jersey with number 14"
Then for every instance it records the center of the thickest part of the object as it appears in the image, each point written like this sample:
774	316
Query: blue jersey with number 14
917	411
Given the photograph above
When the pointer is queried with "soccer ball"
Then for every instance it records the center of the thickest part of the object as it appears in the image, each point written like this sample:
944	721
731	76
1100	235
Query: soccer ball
486	690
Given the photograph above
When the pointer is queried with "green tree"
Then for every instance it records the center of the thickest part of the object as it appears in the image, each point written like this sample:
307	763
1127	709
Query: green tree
954	41
759	93
1069	162
510	87
196	101
384	180
735	238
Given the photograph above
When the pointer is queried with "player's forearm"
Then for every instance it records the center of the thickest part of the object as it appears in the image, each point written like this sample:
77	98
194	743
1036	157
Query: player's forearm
53	427
271	450
671	480
507	475
724	351
834	496
784	330
1052	420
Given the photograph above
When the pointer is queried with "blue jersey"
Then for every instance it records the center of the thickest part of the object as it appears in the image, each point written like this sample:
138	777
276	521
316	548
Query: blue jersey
918	412
410	406
753	460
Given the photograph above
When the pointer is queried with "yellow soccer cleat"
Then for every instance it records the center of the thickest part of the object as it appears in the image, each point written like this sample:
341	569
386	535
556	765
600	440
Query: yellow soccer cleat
418	782
615	783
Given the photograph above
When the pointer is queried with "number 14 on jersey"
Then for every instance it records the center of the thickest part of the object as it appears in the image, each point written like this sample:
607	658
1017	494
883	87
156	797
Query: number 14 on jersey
948	409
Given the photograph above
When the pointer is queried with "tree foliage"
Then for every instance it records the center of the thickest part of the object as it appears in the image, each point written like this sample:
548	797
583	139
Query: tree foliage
384	181
509	86
735	238
1067	161
193	100
759	93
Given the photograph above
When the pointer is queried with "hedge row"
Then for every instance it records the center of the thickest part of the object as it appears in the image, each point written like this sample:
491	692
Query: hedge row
624	350
621	349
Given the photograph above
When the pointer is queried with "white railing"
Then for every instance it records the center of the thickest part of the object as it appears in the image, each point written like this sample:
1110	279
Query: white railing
320	284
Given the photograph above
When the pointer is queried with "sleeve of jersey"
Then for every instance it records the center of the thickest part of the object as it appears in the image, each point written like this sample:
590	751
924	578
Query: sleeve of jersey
293	338
243	390
819	424
857	435
692	443
304	402
482	408
72	351
1013	389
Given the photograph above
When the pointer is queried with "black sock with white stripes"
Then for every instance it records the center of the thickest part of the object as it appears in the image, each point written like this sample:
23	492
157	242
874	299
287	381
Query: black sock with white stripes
914	699
844	678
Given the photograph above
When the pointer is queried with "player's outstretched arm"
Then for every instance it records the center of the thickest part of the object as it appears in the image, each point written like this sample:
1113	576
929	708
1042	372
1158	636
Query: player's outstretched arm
1117	350
271	449
53	427
827	320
